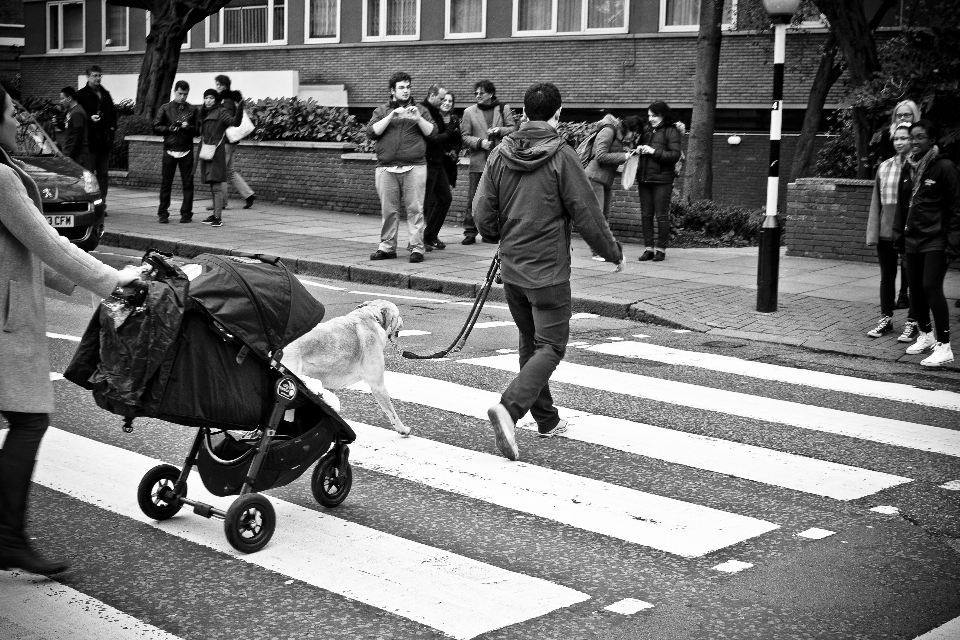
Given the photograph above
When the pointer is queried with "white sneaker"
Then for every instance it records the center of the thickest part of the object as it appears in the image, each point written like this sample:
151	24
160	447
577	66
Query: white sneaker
502	425
942	354
924	343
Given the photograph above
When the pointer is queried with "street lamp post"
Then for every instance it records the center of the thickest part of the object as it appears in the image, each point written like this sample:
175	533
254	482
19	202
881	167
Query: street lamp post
768	263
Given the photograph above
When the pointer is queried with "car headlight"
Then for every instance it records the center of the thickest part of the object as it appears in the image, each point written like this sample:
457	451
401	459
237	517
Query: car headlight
90	184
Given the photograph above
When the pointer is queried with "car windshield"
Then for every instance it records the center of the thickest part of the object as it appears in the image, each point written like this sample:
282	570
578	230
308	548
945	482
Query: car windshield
32	139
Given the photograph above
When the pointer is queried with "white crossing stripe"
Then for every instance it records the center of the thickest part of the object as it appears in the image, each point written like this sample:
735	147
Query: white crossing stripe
452	593
816	534
733	566
628	606
947	631
764	371
55	376
670	525
322	286
60	336
413	332
53	610
491	325
768	466
845	423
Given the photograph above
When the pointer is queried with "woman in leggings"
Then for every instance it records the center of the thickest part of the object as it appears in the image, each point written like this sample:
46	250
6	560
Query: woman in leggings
927	230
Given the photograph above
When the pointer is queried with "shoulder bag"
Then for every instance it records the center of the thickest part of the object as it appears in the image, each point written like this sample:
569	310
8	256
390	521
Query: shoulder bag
207	151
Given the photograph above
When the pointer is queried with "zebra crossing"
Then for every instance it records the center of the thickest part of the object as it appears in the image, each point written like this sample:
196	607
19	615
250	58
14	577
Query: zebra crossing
464	597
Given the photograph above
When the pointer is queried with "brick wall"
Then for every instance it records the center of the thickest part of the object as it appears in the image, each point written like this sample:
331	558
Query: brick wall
827	218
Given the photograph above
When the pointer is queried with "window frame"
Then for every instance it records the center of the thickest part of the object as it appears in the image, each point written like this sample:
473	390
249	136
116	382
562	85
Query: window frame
449	35
306	26
271	6
693	28
365	37
584	31
83	25
103	29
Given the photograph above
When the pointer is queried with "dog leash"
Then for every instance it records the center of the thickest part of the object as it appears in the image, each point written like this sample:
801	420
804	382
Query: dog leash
493	274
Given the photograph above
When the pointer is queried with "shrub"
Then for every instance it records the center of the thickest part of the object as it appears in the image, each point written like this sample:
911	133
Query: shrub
295	119
726	222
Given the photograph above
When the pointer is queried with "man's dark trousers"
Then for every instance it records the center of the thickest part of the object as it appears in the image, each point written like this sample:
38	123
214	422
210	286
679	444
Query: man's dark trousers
469	226
436	202
168	169
101	166
543	318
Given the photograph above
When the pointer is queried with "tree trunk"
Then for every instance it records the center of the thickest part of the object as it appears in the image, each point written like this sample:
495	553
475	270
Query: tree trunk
160	62
827	74
698	179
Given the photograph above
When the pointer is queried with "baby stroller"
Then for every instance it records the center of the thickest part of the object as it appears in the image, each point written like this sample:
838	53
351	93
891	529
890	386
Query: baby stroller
204	350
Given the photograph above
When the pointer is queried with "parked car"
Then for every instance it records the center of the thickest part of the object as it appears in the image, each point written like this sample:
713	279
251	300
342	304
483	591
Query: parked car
70	194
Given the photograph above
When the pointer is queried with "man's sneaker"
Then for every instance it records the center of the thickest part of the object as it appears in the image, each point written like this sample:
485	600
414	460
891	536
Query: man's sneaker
942	354
416	256
164	220
209	219
557	430
924	343
468	240
217	223
885	326
502	425
380	254
910	331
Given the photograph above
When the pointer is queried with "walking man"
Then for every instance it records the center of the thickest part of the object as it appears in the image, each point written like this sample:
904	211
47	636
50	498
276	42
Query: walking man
484	125
177	122
532	220
75	143
230	102
98	103
401	129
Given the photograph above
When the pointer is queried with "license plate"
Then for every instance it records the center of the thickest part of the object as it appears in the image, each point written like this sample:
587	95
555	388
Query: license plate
60	220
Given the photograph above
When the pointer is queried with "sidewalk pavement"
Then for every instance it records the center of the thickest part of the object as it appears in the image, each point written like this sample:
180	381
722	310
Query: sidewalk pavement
823	304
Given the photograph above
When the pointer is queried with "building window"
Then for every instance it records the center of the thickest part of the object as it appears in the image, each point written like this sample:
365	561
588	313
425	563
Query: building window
544	17
116	22
322	21
391	19
466	18
65	27
684	15
248	22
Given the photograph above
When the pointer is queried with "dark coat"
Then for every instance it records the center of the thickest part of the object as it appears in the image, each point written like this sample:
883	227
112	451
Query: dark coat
179	138
932	221
213	126
448	135
660	166
608	153
100	134
451	157
75	144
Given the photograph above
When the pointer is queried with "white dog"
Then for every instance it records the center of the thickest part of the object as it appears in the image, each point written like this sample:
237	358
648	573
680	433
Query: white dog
345	350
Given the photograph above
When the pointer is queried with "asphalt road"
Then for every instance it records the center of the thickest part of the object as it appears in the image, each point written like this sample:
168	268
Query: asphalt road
708	489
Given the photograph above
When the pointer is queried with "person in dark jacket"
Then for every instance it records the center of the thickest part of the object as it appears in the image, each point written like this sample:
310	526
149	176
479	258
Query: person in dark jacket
98	103
402	130
927	230
214	120
75	143
177	122
436	202
231	102
659	152
532	190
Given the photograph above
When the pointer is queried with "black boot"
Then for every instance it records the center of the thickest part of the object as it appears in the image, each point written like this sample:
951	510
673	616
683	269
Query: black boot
15	551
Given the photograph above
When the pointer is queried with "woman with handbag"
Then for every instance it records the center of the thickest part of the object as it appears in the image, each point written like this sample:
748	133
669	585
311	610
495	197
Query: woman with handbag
214	120
32	255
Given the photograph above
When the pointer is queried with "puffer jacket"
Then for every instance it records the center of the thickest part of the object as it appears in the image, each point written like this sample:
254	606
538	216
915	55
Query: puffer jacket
608	152
402	143
532	189
931	222
659	167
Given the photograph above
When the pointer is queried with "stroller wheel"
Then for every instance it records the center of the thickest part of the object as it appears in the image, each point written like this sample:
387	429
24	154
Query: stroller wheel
330	488
155	494
250	522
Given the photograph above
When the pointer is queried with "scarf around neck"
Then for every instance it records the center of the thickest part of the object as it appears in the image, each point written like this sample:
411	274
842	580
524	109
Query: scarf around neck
493	104
919	167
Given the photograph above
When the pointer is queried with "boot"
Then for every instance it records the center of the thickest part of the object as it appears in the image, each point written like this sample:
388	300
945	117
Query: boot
15	551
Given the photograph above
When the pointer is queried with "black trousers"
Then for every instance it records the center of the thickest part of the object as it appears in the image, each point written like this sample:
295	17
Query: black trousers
436	201
469	226
927	271
167	171
101	166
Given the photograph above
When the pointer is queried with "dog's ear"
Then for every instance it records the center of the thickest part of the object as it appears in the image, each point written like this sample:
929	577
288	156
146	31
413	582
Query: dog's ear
392	320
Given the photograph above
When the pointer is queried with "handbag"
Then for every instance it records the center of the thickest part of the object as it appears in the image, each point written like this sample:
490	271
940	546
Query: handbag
629	172
241	131
207	151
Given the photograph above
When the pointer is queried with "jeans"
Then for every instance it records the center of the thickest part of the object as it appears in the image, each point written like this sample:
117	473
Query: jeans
655	203
398	190
167	171
469	226
927	271
437	201
543	318
219	190
235	178
604	195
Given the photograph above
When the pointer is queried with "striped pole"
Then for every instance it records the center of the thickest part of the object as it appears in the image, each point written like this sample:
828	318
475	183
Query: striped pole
768	266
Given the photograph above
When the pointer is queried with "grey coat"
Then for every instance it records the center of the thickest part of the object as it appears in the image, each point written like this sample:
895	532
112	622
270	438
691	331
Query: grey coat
473	129
27	245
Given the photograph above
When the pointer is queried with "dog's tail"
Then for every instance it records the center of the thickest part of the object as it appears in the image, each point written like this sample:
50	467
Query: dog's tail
493	273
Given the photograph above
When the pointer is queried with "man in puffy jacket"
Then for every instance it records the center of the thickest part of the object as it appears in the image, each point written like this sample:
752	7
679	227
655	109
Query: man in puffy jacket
177	122
401	128
532	190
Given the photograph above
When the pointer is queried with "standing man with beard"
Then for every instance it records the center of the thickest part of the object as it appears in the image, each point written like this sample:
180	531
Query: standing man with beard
98	104
483	126
402	130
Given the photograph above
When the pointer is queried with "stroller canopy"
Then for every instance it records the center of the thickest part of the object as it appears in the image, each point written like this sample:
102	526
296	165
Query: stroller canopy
256	299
